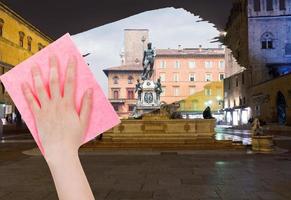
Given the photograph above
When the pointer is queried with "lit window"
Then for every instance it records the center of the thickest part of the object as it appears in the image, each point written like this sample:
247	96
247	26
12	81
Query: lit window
115	80
29	40
1	26
221	77
192	77
21	38
208	77
176	91
163	77
130	80
176	77
267	41
177	64
257	5
163	64
192	64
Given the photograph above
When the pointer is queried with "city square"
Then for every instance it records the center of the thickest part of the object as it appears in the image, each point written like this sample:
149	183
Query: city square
167	100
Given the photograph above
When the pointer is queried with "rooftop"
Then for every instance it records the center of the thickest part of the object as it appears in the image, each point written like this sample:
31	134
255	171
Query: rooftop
128	67
191	52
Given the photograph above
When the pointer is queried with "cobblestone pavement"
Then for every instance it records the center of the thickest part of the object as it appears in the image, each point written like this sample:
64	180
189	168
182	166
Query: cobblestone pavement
159	176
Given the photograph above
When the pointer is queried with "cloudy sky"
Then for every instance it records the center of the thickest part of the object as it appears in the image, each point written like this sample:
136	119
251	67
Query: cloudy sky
168	28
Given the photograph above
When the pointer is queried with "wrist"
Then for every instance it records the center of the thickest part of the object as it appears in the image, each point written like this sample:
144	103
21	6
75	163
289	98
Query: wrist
61	157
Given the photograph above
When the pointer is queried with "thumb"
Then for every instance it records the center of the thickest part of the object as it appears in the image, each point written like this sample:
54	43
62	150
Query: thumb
86	108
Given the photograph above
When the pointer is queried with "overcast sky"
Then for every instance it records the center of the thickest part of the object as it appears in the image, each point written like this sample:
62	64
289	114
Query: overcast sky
168	28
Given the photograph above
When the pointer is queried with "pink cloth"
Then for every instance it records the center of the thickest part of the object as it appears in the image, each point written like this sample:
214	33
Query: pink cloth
103	116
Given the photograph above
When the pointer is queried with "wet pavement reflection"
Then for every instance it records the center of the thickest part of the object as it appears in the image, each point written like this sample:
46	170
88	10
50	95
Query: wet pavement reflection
234	135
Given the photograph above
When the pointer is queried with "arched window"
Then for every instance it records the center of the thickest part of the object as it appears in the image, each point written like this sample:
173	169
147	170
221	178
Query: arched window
115	79
40	46
267	41
288	49
29	40
130	79
21	38
1	26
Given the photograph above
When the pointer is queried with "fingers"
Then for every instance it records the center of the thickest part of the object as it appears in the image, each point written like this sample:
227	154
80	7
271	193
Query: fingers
69	86
30	98
39	86
54	78
86	107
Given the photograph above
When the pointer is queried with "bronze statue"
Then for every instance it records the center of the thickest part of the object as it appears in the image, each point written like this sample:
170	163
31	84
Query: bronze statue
138	89
148	62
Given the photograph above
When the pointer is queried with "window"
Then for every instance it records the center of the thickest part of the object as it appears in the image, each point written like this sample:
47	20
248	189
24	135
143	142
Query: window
163	77
221	64
257	5
115	80
221	77
176	77
130	80
191	90
282	4
131	108
207	92
115	94
164	91
288	49
130	94
195	105
192	64
176	91
116	107
21	38
1	26
177	64
29	40
267	40
269	5
40	46
192	77
208	64
163	64
208	77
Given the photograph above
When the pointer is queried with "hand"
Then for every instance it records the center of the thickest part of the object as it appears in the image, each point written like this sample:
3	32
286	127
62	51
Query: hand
60	127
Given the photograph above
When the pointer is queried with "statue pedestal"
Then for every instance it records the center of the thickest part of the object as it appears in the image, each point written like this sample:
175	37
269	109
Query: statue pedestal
149	100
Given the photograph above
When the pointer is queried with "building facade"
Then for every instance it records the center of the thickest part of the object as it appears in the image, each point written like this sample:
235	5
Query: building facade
18	40
184	72
268	65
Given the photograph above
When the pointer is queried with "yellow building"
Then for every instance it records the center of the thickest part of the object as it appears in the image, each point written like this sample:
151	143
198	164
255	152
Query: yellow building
211	96
18	40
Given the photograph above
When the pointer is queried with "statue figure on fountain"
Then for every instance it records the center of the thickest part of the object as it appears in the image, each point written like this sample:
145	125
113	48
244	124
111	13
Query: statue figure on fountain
148	62
138	89
148	91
